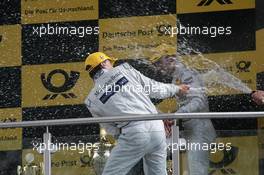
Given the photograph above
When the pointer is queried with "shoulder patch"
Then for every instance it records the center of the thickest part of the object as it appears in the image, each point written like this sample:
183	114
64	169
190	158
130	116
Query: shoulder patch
126	66
113	90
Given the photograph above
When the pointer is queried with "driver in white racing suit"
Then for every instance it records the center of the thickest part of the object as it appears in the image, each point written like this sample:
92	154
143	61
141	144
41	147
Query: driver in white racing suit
122	90
198	131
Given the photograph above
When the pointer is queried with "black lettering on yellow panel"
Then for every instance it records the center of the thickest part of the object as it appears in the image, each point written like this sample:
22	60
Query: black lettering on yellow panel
67	160
10	139
137	36
44	11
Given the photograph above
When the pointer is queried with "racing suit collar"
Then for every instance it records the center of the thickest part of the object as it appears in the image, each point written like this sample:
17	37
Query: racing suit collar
100	73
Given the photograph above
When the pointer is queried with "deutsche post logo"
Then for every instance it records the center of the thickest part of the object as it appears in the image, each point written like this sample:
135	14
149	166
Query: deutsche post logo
69	83
243	66
208	2
228	158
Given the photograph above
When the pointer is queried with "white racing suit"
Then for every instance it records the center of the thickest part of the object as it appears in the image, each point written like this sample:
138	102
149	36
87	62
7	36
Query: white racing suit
195	130
141	139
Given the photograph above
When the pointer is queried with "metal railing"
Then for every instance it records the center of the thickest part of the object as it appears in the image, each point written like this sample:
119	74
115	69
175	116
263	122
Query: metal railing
109	119
141	117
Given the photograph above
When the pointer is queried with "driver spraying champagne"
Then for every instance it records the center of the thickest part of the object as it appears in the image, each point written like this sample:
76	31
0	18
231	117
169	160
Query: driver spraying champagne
122	90
196	131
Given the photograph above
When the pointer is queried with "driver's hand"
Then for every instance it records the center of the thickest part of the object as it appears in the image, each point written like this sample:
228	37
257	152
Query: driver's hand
167	126
184	89
258	97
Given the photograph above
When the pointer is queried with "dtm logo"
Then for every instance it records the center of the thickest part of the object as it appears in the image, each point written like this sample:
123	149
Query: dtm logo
243	66
228	158
208	2
69	83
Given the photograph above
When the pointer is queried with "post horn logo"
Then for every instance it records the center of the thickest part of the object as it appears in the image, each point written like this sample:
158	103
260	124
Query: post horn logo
69	83
86	160
243	66
228	158
208	2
